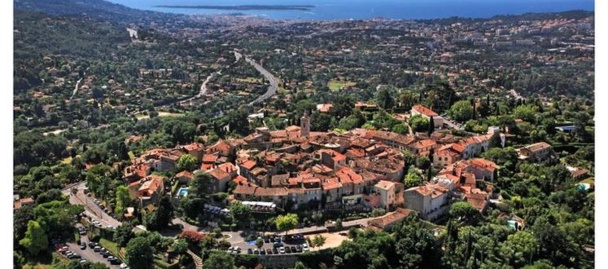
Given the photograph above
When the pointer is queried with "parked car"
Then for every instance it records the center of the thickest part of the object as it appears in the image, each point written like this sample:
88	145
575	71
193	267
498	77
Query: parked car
92	244
249	251
282	250
83	245
293	249
277	244
97	249
268	251
305	247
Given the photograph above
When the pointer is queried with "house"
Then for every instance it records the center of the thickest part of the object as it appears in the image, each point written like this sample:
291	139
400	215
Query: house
325	108
422	147
389	220
245	169
427	113
19	203
222	175
196	150
352	183
244	192
445	156
184	177
222	148
332	190
537	152
386	189
331	158
150	190
431	201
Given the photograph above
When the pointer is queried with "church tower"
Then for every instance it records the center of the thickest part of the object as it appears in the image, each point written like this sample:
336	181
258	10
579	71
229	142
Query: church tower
305	125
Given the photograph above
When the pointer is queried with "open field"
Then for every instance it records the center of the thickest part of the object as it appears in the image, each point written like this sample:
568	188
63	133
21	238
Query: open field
336	85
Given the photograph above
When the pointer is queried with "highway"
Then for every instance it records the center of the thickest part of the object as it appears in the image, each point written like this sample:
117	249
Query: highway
274	82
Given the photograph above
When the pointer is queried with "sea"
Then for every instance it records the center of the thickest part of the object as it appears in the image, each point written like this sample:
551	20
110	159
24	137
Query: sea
368	9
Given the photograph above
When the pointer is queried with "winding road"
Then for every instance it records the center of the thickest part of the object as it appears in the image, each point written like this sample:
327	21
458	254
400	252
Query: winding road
203	88
75	89
274	82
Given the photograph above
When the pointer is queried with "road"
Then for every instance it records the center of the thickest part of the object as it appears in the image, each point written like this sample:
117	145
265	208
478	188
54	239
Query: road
274	82
91	209
203	90
75	89
88	254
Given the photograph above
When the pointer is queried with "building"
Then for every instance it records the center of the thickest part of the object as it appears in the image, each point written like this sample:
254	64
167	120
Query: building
305	125
540	151
432	201
389	220
428	114
386	189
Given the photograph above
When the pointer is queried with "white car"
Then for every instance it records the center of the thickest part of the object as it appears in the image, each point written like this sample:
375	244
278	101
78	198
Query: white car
282	250
305	247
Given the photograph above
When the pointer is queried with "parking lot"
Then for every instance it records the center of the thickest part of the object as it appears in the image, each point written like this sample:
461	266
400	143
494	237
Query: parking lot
273	245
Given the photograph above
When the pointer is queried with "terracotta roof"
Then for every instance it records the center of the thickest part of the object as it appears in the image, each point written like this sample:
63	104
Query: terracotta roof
292	128
271	192
219	174
347	174
477	200
239	179
151	185
186	174
210	158
207	166
425	111
422	144
538	146
331	184
385	185
245	189
248	164
486	164
279	180
194	146
390	218
354	153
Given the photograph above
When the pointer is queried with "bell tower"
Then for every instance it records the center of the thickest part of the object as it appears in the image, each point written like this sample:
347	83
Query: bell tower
305	125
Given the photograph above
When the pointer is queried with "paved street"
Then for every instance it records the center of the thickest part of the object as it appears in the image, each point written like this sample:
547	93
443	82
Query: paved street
91	209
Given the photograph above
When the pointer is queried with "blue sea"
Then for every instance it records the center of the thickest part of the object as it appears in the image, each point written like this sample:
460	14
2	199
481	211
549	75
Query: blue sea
366	9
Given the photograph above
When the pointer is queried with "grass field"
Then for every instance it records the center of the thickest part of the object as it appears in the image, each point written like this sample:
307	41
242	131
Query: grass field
336	85
109	245
160	114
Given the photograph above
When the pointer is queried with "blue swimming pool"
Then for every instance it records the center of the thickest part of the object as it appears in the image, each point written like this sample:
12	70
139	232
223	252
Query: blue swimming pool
182	192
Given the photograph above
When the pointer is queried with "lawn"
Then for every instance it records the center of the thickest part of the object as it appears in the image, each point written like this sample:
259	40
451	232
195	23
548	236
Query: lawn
160	114
67	160
248	80
336	85
109	245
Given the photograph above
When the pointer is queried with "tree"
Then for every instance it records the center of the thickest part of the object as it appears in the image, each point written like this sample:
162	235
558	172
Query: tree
299	265
462	210
123	234
259	242
240	212
461	111
431	126
139	253
186	162
199	186
219	260
163	215
35	239
122	200
180	246
400	129
418	123
526	112
286	222
339	224
524	245
318	241
384	99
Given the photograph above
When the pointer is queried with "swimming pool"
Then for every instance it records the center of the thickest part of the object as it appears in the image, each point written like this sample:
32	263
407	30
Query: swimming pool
182	192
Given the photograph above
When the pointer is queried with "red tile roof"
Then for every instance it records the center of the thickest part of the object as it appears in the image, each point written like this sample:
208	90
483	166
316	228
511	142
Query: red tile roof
425	111
248	164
